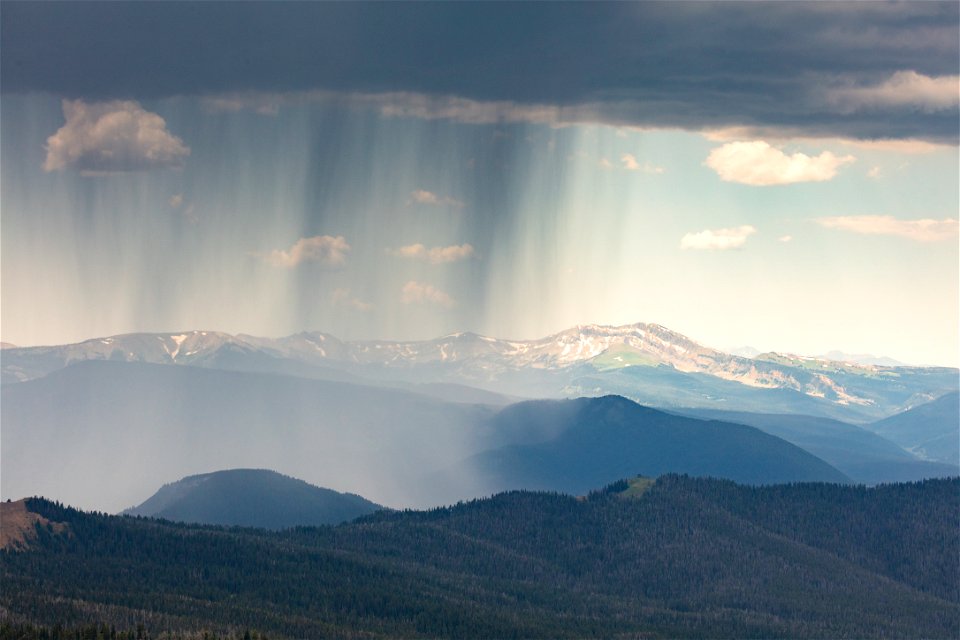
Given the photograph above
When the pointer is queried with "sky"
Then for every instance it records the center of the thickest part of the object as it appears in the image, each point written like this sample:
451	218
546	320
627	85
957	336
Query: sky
783	176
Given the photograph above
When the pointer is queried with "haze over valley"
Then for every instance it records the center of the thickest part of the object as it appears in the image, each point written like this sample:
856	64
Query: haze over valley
428	423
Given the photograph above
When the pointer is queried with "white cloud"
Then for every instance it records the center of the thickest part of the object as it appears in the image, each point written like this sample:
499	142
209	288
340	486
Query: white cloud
112	137
342	297
759	164
605	164
434	255
176	201
630	163
421	196
873	173
903	89
720	239
924	230
785	238
327	250
419	292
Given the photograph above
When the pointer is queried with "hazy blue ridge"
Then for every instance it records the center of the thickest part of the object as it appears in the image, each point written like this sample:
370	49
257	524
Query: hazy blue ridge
859	453
931	430
252	498
574	445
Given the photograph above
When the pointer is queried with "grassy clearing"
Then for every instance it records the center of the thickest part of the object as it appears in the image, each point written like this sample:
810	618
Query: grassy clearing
637	487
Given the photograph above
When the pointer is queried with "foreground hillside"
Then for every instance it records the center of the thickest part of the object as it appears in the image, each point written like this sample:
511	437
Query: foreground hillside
680	557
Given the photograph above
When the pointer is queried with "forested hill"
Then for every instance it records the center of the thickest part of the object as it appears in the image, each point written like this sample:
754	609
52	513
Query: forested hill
251	498
677	557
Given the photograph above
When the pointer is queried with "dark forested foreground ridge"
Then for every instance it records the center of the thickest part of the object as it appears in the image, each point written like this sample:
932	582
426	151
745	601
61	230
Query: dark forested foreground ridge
676	558
679	557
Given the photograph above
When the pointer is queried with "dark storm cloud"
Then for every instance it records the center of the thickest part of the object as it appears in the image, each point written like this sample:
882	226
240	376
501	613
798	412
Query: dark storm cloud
689	65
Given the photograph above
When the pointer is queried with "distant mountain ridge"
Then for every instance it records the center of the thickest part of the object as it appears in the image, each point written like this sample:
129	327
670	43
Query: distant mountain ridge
575	445
858	452
584	360
929	431
251	498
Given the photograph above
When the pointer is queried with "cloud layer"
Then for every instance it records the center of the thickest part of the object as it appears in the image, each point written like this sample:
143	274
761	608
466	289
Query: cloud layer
718	239
112	137
686	65
923	230
759	164
327	250
903	89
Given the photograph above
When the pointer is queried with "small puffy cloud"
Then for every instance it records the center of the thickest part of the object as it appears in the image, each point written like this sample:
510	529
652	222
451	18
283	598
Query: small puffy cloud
785	238
176	201
343	297
904	89
434	255
327	250
419	292
759	164
873	173
112	137
924	230
732	238
605	164
630	163
421	196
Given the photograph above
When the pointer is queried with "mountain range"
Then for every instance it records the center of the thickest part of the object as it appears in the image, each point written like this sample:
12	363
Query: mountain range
645	362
